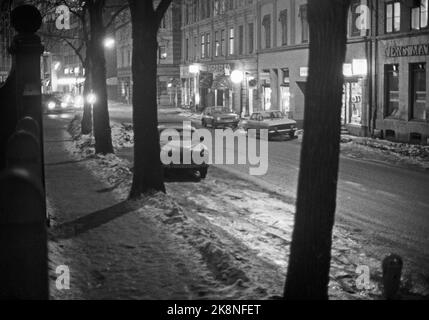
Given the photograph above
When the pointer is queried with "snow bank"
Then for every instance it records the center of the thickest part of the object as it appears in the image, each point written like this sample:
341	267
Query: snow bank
392	152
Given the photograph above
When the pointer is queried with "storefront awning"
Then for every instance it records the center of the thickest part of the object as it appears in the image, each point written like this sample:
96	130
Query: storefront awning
222	82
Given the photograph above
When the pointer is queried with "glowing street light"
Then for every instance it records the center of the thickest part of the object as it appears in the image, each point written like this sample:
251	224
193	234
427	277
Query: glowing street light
109	43
91	98
237	76
194	69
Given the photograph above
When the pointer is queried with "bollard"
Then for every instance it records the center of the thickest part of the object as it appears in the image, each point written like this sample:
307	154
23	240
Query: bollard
23	239
392	271
23	151
30	125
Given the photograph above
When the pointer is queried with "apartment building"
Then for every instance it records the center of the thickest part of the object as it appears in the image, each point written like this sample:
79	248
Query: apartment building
218	37
401	60
385	78
169	55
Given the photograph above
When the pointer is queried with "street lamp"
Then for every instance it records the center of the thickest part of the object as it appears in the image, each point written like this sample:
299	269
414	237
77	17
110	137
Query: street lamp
195	70
91	98
109	43
237	77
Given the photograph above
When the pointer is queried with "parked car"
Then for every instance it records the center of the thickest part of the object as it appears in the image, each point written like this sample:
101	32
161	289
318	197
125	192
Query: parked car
168	146
275	122
219	117
57	103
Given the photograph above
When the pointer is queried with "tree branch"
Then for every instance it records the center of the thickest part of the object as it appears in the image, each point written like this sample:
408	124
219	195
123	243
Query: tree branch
115	15
162	9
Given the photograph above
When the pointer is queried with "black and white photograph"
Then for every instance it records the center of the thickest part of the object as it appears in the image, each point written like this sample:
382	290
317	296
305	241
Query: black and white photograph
222	157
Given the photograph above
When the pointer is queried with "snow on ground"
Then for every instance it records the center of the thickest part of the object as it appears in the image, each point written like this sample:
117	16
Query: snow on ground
240	232
386	151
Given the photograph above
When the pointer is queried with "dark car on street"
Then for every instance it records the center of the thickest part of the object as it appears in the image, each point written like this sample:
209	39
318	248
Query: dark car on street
57	103
275	122
169	146
219	117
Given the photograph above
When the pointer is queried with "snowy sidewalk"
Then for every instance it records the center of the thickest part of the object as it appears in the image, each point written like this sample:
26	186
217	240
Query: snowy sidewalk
114	249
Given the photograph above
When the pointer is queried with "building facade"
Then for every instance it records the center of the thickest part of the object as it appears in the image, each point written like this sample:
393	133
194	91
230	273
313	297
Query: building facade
169	55
385	78
283	50
218	37
402	57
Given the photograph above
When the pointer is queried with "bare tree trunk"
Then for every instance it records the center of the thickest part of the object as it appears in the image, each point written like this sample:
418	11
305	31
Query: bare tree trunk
310	255
86	123
102	130
148	171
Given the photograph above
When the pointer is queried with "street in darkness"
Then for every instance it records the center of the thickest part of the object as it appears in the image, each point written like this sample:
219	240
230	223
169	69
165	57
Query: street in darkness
209	154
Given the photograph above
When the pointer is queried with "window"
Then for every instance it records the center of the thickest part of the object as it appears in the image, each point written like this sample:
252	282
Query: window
419	109
391	73
304	23
162	52
266	23
195	11
203	46
393	17
283	23
208	49
222	42
187	49
195	48
231	41
251	37
217	44
419	16
240	39
216	8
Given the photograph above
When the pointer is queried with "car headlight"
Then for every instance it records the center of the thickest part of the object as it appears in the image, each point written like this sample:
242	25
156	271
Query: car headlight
51	105
63	105
218	119
78	102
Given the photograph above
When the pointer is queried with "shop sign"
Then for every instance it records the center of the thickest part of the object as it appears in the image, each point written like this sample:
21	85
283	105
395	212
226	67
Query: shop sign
219	68
407	51
303	72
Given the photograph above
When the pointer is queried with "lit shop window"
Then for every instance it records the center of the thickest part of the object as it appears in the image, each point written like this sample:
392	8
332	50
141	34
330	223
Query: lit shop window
393	17
419	16
391	72
420	111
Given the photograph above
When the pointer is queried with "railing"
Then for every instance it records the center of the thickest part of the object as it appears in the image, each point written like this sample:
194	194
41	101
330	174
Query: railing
23	236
